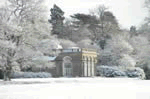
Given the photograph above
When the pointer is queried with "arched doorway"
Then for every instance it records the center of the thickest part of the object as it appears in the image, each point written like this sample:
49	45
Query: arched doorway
67	66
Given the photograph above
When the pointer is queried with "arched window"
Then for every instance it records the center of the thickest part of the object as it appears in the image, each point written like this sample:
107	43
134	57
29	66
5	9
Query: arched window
67	58
67	66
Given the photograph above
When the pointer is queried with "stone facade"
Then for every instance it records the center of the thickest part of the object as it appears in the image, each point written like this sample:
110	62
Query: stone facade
76	62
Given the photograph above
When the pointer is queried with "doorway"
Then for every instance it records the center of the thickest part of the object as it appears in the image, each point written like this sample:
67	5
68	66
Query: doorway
67	66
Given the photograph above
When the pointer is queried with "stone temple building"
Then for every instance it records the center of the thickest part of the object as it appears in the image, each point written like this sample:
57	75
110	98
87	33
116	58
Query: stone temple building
76	62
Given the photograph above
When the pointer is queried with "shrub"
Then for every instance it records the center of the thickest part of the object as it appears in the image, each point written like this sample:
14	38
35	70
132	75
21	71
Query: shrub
136	73
67	43
86	43
145	65
31	75
108	71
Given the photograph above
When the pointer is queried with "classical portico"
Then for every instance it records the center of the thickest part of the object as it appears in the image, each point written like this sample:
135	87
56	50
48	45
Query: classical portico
75	62
89	60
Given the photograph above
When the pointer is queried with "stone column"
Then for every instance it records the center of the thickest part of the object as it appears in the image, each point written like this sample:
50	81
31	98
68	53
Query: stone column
92	66
85	68
82	68
89	67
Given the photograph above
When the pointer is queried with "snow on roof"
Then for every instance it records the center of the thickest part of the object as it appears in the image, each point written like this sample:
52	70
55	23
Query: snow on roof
59	47
73	47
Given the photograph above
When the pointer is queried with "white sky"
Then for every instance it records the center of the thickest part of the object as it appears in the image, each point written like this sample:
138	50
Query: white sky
128	12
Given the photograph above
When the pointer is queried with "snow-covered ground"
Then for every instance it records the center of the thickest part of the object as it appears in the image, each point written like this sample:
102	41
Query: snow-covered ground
76	88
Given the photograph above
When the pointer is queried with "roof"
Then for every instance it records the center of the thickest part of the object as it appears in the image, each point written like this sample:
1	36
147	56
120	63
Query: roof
74	48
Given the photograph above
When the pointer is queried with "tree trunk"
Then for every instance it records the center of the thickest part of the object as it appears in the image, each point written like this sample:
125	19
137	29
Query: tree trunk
5	77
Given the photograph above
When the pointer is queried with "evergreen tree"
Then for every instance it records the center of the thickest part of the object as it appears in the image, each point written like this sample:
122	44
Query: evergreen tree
57	17
133	31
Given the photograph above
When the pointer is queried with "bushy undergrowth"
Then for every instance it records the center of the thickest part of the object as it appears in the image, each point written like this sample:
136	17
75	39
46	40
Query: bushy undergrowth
31	75
137	72
109	71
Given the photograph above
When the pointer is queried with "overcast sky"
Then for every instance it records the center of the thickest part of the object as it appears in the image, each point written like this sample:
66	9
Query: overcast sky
128	12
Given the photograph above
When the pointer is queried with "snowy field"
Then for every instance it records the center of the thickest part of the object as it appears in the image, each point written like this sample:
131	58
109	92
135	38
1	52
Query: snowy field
75	88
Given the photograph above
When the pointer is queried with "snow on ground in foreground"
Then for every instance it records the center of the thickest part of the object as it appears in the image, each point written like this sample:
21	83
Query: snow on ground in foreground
77	88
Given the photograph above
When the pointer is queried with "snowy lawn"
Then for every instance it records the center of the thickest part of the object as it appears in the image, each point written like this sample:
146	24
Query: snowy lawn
75	88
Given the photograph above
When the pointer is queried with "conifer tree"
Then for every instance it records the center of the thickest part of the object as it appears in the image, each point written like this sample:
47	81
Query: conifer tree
57	17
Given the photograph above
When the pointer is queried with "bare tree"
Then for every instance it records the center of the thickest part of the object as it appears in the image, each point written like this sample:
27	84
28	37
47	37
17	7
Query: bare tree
106	19
106	26
24	10
100	12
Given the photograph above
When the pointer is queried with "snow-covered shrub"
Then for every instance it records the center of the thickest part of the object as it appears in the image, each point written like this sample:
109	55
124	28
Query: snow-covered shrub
108	71
67	43
17	75
47	45
86	43
126	60
15	67
145	65
31	75
43	64
136	73
117	51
